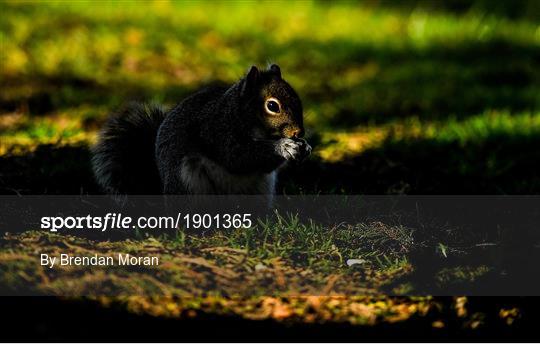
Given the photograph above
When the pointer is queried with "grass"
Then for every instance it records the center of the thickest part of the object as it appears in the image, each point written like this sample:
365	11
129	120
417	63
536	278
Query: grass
417	97
409	77
282	258
285	271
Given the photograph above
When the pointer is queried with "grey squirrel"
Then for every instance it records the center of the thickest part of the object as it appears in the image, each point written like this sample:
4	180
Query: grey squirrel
220	140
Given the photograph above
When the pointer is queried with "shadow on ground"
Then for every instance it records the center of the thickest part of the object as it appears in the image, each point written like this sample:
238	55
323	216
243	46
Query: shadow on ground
115	324
499	164
48	170
524	9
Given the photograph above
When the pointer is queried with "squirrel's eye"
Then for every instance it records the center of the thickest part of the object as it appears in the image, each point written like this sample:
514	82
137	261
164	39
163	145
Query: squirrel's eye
272	106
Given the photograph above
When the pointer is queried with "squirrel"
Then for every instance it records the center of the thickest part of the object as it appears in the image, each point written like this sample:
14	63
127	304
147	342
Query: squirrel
219	140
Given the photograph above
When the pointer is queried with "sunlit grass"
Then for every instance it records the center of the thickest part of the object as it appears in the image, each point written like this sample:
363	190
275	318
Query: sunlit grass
342	144
373	78
21	134
345	58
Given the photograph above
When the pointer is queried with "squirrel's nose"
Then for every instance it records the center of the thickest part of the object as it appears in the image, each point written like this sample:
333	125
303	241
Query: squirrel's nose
292	131
298	133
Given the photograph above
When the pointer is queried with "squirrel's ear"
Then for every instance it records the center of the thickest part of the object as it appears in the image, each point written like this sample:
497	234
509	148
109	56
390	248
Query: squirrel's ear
251	79
276	70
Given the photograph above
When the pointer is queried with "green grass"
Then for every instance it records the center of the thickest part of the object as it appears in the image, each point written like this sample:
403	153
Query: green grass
394	64
372	78
287	271
307	254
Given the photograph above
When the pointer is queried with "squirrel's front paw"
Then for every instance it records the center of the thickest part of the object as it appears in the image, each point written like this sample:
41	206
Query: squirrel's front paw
288	149
293	149
306	148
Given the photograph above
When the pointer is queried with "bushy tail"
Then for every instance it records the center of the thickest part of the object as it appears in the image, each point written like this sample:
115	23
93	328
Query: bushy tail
124	159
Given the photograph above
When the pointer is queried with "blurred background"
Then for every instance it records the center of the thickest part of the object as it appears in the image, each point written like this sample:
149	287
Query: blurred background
418	97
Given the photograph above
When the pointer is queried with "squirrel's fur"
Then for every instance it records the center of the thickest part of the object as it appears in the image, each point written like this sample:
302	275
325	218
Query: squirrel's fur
124	157
217	141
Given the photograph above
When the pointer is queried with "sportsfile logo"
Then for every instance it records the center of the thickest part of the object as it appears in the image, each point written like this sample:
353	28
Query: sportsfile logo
117	221
109	221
